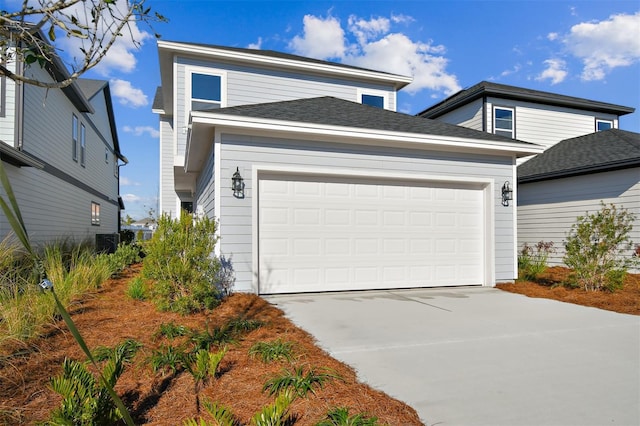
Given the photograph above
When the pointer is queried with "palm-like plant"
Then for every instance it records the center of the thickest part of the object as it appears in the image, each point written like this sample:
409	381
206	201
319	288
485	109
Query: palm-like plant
299	382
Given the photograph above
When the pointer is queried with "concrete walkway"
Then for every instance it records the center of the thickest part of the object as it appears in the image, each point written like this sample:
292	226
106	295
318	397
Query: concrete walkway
481	356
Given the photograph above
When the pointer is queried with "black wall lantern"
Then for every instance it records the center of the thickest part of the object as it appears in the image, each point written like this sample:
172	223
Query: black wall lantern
237	184
507	194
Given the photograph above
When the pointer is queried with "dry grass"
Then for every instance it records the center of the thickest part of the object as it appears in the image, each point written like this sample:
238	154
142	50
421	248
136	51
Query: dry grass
108	317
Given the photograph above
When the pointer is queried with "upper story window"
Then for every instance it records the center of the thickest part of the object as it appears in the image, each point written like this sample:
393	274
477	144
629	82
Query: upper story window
206	91
106	155
603	125
74	138
83	144
503	119
375	98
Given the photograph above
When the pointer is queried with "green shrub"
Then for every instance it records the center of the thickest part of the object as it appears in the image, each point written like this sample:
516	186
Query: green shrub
340	417
136	289
221	415
85	400
124	256
299	382
275	414
596	248
272	351
532	260
179	258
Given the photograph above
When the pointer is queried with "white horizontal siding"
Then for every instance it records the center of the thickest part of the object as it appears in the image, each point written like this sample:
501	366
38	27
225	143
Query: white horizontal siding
253	85
246	151
543	124
205	188
548	209
168	197
469	115
8	119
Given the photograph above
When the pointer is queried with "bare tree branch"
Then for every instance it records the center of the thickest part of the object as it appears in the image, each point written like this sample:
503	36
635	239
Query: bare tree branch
29	35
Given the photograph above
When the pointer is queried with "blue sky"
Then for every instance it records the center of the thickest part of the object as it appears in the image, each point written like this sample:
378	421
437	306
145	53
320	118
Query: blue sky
588	49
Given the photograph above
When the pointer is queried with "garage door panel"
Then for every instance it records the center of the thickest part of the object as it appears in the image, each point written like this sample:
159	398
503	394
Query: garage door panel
348	234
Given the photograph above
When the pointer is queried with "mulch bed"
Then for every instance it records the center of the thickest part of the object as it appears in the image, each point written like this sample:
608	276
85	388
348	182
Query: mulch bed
108	317
625	300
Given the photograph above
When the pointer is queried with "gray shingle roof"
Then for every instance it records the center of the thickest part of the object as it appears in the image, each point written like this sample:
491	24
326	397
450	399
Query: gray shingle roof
485	88
338	112
276	54
596	152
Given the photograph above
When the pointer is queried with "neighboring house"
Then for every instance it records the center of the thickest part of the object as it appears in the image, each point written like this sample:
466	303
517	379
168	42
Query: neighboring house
60	150
328	193
572	178
593	161
528	115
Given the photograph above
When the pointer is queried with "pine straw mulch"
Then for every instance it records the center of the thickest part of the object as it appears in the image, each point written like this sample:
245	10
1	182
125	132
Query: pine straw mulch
108	317
625	300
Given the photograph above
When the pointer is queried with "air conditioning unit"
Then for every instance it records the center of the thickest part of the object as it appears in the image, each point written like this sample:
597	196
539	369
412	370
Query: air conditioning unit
107	243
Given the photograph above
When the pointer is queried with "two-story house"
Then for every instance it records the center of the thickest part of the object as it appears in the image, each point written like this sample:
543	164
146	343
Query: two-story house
319	185
587	159
60	150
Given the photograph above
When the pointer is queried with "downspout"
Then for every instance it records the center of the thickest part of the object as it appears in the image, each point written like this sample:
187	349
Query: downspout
119	210
19	111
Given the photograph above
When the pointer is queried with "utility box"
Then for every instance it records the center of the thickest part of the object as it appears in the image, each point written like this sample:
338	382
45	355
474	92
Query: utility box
107	243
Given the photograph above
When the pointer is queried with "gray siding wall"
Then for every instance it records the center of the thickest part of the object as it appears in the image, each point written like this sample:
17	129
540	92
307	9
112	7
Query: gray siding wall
246	151
56	201
469	115
54	209
546	125
253	85
548	209
168	196
205	187
8	117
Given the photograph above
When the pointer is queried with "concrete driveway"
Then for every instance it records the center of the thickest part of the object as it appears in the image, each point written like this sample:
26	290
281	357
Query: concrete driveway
481	356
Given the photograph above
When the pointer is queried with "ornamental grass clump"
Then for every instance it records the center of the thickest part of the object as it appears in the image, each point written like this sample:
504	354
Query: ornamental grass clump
598	248
179	259
532	260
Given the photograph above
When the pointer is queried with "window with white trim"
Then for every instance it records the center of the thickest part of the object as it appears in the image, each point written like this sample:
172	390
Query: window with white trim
206	91
95	214
374	98
74	138
83	144
106	155
603	125
503	119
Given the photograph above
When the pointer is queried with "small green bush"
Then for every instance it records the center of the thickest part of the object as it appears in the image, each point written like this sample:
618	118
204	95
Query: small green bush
340	417
136	289
532	260
86	400
272	351
179	258
298	382
597	246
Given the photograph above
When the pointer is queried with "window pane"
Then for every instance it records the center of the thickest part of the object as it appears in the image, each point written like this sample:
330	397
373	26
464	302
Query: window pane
206	87
504	114
506	133
376	101
203	106
604	125
82	143
74	137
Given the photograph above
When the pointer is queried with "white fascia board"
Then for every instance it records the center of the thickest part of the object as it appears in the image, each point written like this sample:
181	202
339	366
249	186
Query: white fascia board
399	81
340	132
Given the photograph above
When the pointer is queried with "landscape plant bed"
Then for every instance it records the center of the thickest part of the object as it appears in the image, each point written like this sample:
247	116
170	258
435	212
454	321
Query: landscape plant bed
109	317
625	300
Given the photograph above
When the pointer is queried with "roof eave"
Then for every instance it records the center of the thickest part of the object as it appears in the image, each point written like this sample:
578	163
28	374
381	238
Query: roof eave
579	171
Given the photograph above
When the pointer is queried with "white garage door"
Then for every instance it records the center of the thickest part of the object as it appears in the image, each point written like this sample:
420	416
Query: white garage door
328	233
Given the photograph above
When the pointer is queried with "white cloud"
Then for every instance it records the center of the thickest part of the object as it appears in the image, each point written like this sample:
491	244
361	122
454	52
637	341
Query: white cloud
605	45
375	46
552	36
514	70
556	71
125	181
322	39
256	45
131	198
121	55
127	94
141	130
